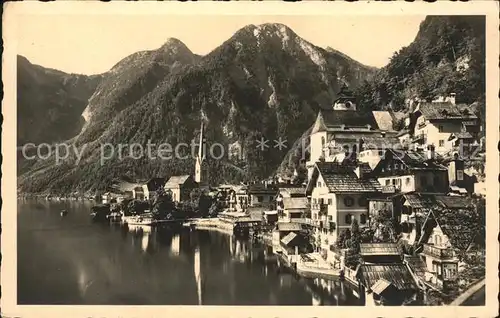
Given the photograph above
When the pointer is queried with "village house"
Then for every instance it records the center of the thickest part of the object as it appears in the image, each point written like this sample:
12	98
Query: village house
408	171
338	129
415	207
282	230
387	284
339	195
290	209
434	123
150	187
447	233
180	187
138	193
379	253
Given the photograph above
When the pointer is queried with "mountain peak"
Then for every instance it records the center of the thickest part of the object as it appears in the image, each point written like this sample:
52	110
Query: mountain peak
174	44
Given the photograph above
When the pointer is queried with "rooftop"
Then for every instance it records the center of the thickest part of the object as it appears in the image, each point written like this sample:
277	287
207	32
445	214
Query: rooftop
445	110
287	226
295	203
395	273
379	249
175	181
342	178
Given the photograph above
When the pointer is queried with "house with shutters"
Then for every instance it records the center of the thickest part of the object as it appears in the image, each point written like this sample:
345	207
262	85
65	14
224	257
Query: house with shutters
442	123
402	171
339	194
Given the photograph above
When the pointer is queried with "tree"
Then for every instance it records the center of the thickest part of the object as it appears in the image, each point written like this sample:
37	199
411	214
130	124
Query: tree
384	227
163	206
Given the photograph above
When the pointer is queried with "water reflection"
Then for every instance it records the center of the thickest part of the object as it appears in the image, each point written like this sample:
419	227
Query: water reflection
140	265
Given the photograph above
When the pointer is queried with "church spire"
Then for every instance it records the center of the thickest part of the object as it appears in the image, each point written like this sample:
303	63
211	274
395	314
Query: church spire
201	148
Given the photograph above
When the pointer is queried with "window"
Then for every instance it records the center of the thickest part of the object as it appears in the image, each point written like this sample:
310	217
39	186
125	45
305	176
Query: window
440	128
315	201
362	219
380	153
348	219
348	201
387	182
330	218
441	143
408	180
363	201
396	166
260	198
437	240
460	175
393	181
322	141
329	201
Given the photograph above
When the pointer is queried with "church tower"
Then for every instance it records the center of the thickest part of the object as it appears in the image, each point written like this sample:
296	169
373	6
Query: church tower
201	167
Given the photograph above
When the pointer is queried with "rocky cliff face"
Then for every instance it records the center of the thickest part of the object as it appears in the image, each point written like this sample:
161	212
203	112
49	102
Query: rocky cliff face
50	102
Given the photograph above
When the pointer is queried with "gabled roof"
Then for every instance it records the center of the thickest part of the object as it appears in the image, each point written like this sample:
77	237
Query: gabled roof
461	135
460	226
295	203
175	181
381	285
445	110
342	178
419	200
338	120
293	190
379	249
288	226
416	264
428	200
453	202
413	160
288	239
395	273
388	142
384	120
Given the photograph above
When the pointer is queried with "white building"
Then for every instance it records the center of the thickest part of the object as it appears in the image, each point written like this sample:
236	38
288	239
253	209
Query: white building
338	196
339	129
434	123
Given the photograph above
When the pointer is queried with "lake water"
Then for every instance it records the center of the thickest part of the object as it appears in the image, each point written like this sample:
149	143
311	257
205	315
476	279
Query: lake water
70	260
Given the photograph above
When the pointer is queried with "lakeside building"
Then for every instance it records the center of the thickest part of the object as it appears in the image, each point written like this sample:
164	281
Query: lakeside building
180	187
339	194
150	187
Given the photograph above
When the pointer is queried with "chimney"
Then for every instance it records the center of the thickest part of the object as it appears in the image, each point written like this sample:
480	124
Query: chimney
451	98
431	153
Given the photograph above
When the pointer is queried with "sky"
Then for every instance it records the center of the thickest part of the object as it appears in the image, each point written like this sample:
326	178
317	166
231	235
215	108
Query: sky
92	44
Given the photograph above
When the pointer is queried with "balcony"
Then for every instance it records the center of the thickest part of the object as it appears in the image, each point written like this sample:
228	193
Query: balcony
322	208
393	188
438	252
305	221
420	138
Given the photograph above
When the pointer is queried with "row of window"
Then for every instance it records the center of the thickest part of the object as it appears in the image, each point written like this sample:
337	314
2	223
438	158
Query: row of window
347	218
348	201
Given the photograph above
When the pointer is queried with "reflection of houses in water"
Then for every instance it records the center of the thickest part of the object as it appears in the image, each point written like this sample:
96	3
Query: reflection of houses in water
175	245
197	274
145	241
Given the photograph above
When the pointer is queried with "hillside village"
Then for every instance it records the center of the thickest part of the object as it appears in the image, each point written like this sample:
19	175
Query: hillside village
383	191
396	212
